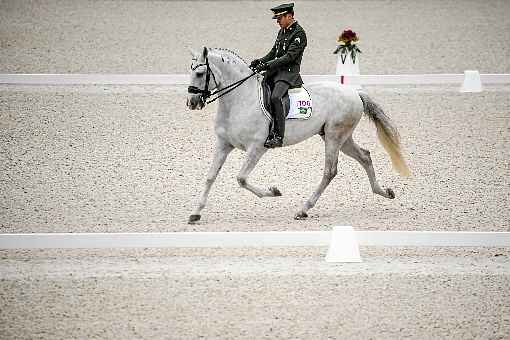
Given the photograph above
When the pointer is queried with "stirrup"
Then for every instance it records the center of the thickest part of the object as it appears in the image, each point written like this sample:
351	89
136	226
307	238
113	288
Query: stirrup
273	142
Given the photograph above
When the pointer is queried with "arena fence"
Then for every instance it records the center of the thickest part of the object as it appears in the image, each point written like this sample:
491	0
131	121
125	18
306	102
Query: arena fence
343	241
251	239
183	79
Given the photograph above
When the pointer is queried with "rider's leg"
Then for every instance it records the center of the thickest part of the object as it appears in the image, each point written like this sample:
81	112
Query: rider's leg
279	91
277	105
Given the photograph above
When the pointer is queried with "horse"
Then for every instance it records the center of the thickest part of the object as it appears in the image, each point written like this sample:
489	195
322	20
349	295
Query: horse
242	124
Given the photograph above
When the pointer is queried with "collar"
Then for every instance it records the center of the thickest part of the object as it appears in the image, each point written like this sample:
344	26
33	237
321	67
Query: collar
291	27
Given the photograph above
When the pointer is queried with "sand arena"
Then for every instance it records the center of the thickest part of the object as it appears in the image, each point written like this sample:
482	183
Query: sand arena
133	158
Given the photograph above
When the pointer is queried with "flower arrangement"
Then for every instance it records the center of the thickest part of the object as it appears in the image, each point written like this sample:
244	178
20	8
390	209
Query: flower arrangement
347	41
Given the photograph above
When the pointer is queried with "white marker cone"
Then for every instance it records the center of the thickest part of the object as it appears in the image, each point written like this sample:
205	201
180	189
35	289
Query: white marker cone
343	246
472	82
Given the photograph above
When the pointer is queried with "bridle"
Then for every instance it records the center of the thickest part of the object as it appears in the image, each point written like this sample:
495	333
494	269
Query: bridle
205	93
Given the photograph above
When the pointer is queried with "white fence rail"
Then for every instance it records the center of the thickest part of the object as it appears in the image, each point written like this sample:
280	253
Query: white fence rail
250	239
183	79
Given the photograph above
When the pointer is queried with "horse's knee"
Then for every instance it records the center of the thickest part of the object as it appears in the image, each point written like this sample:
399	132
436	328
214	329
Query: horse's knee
241	181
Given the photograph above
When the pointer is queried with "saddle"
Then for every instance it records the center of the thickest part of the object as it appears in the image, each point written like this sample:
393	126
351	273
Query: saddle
296	102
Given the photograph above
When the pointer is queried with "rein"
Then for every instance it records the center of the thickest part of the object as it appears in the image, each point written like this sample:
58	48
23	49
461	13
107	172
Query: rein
205	93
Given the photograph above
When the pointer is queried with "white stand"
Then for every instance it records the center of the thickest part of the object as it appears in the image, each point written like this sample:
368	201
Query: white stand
343	246
347	69
472	82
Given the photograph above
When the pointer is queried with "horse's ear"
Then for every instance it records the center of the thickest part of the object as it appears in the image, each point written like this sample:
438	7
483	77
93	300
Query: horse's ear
193	53
204	52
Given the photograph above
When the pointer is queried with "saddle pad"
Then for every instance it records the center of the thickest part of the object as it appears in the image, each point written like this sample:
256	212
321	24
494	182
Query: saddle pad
300	104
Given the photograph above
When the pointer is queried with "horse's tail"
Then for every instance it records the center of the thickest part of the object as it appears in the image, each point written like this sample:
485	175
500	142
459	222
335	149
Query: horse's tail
387	133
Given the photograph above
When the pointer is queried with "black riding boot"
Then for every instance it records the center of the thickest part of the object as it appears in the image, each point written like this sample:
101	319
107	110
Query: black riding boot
275	138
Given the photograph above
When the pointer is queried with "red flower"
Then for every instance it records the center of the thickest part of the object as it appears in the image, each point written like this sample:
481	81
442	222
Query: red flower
347	45
348	36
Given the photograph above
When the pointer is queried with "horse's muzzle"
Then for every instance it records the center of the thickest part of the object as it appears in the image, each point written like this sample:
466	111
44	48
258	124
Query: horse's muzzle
195	102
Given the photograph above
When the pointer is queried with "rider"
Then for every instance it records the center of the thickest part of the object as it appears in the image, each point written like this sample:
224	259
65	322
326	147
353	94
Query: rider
282	64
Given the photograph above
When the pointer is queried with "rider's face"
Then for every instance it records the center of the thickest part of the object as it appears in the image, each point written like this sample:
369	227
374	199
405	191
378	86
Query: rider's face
284	20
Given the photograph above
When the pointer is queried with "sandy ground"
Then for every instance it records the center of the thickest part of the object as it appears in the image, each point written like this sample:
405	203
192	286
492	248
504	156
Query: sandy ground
263	294
90	159
94	158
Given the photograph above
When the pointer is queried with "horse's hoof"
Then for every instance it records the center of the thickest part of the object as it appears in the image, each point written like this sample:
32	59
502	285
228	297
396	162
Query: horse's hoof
194	219
275	191
300	215
391	194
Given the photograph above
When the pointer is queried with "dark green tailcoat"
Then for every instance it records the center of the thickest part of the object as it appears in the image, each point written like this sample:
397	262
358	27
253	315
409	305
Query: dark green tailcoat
284	59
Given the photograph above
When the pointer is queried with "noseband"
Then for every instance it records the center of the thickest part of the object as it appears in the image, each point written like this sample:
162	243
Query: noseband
205	93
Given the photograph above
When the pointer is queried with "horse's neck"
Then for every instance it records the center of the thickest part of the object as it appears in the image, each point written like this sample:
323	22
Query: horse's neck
237	98
230	74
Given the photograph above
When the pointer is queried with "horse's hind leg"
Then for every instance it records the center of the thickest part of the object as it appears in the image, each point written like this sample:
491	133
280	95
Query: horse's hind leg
332	148
351	149
253	156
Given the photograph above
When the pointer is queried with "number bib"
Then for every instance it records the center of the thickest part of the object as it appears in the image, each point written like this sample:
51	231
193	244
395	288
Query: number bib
300	104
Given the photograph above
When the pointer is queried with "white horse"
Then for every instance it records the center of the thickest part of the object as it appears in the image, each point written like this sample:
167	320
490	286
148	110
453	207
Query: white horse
241	123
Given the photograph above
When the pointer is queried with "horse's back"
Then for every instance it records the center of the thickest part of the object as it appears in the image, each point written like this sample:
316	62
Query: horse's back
335	94
332	104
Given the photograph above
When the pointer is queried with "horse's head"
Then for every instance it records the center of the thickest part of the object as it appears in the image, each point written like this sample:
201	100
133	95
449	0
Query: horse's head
202	80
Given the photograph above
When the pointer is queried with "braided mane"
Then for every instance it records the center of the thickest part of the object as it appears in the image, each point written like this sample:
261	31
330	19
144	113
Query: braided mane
232	53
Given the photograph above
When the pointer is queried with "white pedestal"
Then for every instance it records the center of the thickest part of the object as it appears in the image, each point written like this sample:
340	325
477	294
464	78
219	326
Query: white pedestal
472	81
343	246
347	69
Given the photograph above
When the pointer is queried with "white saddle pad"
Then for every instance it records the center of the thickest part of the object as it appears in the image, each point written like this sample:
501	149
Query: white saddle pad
300	104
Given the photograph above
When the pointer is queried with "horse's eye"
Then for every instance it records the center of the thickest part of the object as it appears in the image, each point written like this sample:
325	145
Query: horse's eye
199	74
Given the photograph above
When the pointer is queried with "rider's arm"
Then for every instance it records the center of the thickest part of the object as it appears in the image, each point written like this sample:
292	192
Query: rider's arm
297	46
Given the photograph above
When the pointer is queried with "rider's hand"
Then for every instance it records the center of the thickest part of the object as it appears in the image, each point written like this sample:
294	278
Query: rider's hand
261	67
254	64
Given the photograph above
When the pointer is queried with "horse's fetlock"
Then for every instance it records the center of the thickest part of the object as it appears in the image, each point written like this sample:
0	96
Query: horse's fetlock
365	156
331	173
365	152
241	181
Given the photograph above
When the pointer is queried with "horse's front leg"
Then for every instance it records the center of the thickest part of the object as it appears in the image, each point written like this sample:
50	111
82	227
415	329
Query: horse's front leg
253	156
220	155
